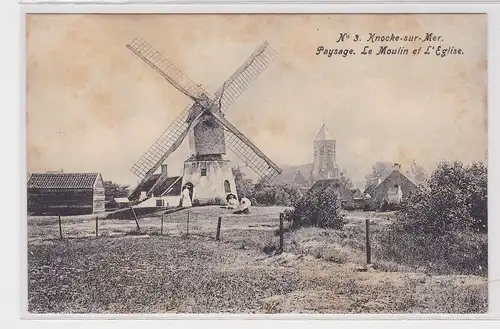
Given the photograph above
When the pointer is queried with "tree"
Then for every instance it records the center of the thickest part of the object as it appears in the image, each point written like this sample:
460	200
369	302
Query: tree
419	173
317	208
381	169
113	190
456	199
344	178
244	188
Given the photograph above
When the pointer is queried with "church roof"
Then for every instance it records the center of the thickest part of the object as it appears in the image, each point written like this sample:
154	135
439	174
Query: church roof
323	134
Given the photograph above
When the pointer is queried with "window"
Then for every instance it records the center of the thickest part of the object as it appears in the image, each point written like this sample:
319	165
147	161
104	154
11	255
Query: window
330	152
227	186
203	172
159	202
322	151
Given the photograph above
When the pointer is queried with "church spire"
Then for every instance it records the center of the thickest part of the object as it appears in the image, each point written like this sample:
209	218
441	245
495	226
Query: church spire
323	134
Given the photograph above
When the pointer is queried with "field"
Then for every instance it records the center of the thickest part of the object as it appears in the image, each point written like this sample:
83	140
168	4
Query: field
181	271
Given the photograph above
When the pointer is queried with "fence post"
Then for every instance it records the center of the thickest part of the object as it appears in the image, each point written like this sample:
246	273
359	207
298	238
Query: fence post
217	236
281	232
187	224
368	247
60	227
161	229
96	226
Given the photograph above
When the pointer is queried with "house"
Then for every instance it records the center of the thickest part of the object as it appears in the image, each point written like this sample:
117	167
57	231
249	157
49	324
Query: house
59	193
160	191
121	202
294	175
394	188
344	194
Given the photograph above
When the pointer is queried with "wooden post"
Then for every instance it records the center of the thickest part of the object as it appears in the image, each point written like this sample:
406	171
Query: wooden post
60	227
135	218
187	224
368	247
96	226
161	229
281	232
217	236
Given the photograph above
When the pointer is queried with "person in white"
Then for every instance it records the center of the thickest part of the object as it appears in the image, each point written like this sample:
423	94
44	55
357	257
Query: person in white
186	198
244	206
232	202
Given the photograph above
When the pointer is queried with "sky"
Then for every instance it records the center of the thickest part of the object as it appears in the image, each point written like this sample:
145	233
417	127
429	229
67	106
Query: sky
93	106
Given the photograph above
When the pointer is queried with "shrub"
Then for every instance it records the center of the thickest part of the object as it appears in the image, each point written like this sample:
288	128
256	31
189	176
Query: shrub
317	208
443	228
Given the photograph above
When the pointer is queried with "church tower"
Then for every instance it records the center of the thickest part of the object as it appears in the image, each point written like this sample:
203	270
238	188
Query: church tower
325	162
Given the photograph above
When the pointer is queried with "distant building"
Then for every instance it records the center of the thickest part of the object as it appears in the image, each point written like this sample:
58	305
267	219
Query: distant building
345	196
394	188
160	191
59	193
294	176
121	202
324	164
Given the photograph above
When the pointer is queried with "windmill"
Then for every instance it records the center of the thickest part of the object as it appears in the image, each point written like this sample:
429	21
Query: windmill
206	171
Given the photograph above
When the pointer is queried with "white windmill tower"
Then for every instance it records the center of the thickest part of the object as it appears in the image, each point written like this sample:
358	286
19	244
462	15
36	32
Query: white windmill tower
207	172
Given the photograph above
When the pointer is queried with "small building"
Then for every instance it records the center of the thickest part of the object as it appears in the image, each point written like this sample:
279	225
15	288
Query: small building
121	202
291	176
344	194
160	191
59	193
394	188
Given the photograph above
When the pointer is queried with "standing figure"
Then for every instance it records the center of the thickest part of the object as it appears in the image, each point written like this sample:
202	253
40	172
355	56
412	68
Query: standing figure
244	206
186	198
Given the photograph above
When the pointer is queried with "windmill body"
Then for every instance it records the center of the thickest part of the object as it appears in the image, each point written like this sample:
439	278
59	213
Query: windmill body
207	172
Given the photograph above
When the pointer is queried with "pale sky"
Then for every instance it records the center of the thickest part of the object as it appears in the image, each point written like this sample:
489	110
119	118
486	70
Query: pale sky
93	106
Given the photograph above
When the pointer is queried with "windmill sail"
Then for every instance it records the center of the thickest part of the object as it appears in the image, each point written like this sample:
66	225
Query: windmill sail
248	152
236	85
167	143
172	74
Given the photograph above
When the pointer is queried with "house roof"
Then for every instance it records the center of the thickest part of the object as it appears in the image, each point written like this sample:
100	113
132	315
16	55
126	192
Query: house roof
122	200
62	180
356	193
369	189
289	173
406	182
323	134
159	189
172	186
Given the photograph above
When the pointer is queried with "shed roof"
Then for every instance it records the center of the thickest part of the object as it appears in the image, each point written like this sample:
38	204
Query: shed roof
62	180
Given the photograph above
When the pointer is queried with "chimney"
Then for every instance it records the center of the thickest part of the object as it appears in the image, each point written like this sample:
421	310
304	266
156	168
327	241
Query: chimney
143	195
164	169
397	166
379	180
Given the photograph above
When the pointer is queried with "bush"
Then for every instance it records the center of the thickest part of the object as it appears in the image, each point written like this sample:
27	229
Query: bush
444	227
317	208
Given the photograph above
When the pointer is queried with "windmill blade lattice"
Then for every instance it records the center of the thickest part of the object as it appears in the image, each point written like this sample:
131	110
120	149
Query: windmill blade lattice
243	148
236	85
254	161
169	71
176	129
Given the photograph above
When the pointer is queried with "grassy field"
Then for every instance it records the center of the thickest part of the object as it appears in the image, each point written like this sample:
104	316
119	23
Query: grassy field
319	272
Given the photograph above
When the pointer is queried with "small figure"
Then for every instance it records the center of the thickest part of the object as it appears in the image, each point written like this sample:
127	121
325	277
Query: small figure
186	198
232	202
244	206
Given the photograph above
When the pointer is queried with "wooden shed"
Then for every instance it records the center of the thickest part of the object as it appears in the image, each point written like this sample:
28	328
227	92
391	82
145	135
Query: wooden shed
65	193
